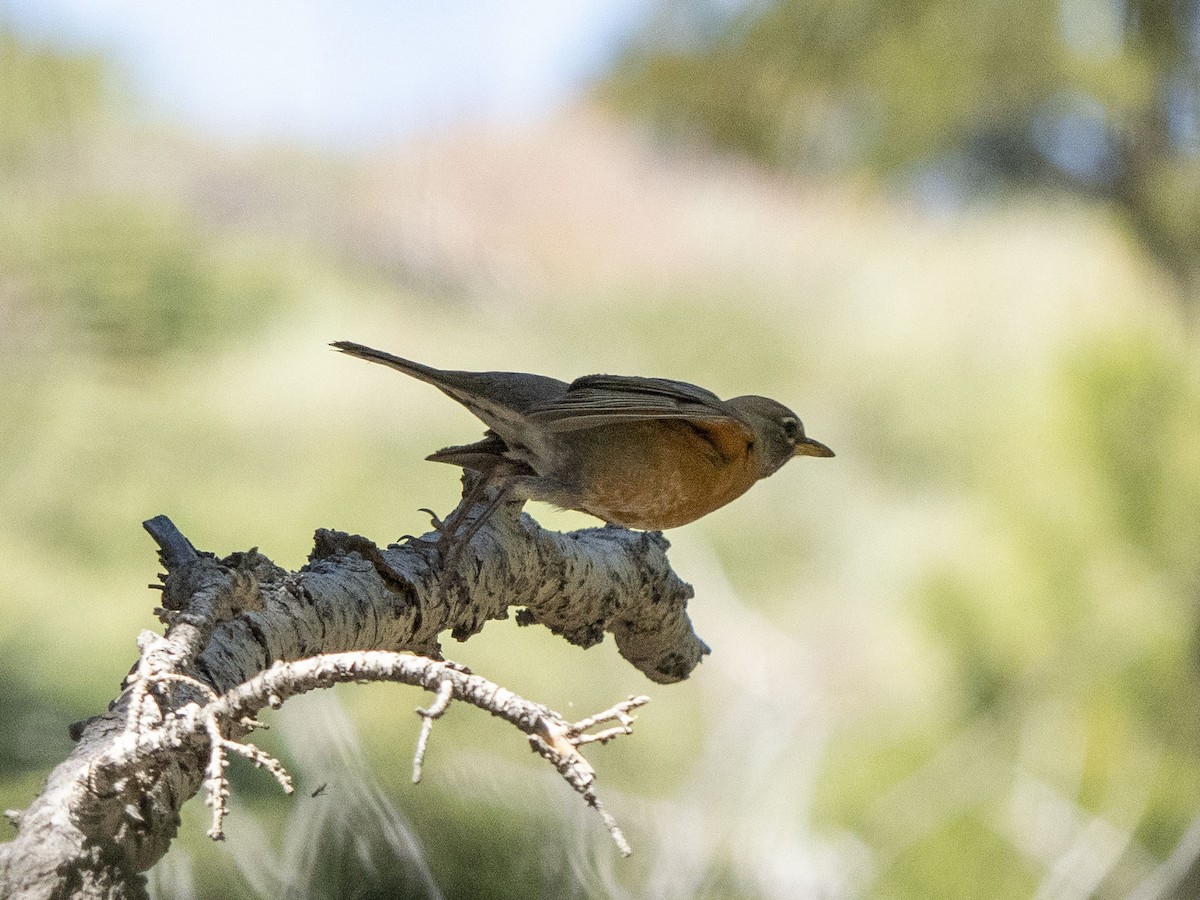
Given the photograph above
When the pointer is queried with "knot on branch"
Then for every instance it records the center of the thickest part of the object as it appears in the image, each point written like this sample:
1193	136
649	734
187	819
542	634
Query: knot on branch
642	603
329	544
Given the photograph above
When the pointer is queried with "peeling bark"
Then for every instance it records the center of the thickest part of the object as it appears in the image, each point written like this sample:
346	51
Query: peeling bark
110	811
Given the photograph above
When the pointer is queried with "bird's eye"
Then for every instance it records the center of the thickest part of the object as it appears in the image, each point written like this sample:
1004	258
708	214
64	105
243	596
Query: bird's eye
791	428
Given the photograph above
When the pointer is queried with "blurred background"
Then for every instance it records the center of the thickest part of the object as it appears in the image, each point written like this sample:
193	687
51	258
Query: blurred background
960	238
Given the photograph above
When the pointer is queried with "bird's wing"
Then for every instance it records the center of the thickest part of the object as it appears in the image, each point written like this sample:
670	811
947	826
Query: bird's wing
596	400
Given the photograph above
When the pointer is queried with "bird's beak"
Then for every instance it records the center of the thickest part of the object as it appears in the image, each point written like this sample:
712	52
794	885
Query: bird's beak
809	447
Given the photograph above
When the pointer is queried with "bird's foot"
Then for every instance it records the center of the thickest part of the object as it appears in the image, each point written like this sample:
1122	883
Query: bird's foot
438	524
454	538
411	540
445	540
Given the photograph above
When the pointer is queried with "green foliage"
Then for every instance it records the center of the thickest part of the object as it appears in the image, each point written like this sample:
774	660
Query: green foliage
34	738
134	274
985	657
1137	409
972	862
993	585
1080	596
1099	98
130	269
45	96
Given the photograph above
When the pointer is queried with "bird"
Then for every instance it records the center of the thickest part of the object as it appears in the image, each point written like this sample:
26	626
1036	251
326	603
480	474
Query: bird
636	452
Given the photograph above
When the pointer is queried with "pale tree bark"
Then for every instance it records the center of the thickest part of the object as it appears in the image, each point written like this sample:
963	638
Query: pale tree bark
243	634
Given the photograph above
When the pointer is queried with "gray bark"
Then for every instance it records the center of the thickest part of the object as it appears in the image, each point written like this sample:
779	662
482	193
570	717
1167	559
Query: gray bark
110	811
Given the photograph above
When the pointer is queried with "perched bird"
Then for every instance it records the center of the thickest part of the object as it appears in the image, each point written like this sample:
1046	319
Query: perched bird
638	452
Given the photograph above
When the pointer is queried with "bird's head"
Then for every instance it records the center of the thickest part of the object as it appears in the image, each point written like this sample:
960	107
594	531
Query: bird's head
778	433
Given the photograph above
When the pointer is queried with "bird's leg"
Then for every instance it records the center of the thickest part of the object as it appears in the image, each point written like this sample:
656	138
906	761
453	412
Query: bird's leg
450	543
455	543
448	526
493	504
448	529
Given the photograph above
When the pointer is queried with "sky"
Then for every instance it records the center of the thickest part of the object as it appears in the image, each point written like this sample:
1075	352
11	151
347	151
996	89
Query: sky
352	72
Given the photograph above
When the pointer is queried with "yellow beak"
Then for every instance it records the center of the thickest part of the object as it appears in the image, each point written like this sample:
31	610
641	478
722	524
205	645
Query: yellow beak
809	447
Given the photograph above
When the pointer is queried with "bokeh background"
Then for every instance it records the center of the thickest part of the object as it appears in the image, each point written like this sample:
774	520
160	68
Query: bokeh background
962	239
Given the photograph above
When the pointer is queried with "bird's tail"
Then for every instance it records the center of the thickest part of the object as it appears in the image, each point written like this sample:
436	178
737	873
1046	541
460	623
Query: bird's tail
407	366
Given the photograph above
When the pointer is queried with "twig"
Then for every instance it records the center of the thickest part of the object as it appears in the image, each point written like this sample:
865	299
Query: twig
551	735
559	743
619	712
439	705
175	549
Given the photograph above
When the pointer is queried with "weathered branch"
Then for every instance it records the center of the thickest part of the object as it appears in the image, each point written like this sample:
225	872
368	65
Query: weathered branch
238	627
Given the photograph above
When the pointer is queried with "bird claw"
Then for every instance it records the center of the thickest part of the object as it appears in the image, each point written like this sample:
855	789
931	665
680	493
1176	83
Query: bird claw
459	529
420	543
447	532
438	523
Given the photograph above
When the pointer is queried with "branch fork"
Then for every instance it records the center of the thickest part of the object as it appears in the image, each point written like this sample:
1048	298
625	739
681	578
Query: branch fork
550	734
243	634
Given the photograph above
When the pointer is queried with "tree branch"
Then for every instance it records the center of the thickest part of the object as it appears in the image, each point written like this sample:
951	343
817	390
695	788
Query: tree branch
239	637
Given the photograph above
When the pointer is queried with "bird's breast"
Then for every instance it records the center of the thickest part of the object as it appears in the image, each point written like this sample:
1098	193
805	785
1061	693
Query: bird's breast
656	474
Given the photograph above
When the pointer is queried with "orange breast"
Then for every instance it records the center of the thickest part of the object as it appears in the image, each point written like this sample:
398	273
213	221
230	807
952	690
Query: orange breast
659	474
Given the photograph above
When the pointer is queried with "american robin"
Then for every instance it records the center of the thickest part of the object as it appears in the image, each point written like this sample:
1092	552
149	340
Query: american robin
638	452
